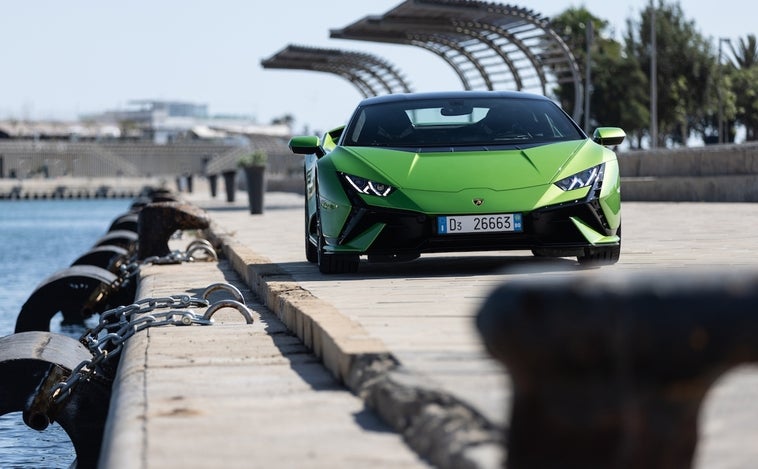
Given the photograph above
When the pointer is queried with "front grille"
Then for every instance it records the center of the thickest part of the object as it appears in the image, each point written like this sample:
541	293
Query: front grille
413	232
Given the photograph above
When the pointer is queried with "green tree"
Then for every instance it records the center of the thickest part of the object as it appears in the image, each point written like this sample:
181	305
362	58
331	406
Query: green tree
620	97
685	71
745	55
618	94
571	26
742	74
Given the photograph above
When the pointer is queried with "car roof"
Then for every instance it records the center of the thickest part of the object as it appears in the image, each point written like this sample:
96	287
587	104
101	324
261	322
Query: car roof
399	97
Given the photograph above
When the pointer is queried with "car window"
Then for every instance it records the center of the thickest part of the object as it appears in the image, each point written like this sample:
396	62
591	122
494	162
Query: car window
460	122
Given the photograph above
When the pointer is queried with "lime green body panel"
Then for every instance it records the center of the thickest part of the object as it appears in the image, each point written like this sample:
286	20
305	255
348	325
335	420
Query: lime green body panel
447	183
332	201
453	171
610	196
592	236
359	243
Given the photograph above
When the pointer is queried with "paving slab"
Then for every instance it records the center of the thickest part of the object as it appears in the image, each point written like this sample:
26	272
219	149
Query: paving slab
235	395
423	311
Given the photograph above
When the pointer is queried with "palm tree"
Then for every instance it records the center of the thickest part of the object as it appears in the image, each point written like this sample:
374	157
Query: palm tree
746	53
743	73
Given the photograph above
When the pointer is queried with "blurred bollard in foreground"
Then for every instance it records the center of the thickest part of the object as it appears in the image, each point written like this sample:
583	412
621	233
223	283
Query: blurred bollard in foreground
610	371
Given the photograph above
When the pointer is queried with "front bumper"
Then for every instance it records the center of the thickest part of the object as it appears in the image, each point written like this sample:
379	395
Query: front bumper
565	229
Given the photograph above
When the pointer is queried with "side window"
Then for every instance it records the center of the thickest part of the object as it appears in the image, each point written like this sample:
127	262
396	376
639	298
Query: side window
360	124
559	124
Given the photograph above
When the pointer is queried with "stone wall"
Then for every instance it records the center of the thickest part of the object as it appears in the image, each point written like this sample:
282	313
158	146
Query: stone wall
719	173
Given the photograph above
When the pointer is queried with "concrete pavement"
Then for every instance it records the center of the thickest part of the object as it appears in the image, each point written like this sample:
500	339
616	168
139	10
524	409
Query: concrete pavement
235	395
400	336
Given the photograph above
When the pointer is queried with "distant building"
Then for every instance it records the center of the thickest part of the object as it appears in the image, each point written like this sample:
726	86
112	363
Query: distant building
155	121
57	130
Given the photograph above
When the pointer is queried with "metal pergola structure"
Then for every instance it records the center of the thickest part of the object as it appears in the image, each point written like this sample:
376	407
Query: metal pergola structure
370	74
489	45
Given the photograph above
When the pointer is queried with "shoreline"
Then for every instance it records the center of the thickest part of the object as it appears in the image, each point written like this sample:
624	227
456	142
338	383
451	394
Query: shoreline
77	188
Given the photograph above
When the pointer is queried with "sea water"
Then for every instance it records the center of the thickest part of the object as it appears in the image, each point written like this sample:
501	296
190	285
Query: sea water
39	238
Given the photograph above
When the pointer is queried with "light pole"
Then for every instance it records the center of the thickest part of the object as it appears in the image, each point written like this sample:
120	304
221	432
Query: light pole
653	80
719	86
590	31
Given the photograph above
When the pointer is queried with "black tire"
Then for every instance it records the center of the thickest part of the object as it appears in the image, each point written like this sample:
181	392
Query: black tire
311	250
338	263
335	263
601	256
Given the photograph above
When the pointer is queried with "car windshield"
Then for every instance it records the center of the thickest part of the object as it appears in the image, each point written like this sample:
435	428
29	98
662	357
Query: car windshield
460	122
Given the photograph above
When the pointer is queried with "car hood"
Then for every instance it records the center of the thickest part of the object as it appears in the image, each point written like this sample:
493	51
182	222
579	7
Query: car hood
459	170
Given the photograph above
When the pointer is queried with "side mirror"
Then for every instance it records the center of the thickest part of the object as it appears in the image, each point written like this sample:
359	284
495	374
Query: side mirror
306	145
608	136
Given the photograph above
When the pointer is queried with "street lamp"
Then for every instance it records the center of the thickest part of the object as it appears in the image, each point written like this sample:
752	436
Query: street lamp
590	31
653	80
719	87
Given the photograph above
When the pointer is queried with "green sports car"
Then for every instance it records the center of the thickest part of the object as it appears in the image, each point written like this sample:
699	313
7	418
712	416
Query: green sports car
460	171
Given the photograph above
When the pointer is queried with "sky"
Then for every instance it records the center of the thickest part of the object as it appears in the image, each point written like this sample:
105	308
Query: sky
64	59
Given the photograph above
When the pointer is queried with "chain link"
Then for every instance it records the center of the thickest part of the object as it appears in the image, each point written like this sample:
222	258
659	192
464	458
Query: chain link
177	257
106	340
117	325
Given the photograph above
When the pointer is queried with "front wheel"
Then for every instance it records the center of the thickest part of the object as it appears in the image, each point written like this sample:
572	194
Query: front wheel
338	263
600	256
603	255
335	263
311	249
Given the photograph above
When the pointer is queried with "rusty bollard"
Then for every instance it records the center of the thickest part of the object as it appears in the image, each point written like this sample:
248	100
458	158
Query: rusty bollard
611	371
158	221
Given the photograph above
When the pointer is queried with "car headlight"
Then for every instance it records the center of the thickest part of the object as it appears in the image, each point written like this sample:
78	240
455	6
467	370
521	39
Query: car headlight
582	179
367	186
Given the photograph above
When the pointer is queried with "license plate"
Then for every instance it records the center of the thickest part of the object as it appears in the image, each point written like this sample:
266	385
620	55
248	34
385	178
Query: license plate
492	223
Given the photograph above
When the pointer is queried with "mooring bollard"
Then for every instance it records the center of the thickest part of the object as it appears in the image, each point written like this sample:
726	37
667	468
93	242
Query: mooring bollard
610	371
158	221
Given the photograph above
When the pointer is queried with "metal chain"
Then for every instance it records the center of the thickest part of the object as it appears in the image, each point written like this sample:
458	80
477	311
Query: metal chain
122	319
177	257
106	340
129	270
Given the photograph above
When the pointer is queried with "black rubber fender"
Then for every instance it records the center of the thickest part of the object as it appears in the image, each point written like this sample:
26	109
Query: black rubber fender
122	238
128	222
25	360
77	292
105	257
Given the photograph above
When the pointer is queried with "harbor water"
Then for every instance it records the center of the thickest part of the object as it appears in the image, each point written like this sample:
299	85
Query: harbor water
37	239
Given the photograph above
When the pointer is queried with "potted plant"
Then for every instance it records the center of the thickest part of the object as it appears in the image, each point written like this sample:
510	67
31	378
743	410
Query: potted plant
254	166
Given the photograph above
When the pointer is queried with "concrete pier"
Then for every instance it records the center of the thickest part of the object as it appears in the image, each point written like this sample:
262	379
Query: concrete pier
75	188
235	395
382	368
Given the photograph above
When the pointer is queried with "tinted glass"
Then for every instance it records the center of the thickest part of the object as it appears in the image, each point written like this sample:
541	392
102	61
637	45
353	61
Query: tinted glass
460	122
